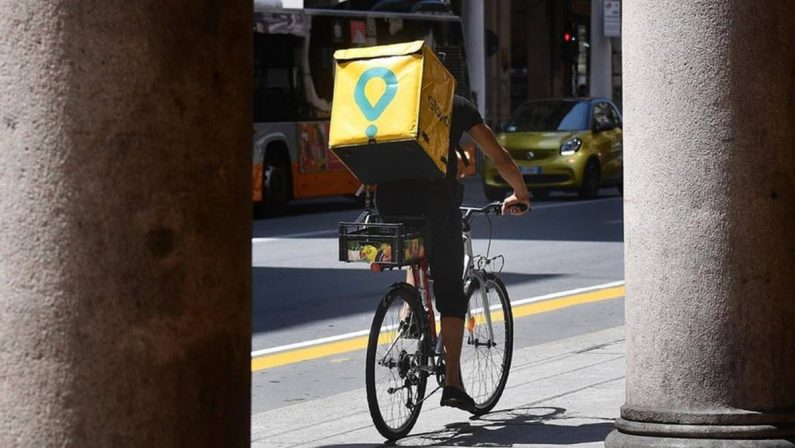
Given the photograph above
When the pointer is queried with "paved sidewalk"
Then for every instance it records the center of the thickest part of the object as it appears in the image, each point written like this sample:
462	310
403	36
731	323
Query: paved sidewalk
566	392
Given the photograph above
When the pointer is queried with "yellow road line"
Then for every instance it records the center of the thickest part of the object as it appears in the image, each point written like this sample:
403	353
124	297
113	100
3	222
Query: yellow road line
567	301
309	353
360	343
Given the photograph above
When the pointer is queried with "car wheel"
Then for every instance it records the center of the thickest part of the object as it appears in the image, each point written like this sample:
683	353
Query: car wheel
494	193
590	182
276	188
540	195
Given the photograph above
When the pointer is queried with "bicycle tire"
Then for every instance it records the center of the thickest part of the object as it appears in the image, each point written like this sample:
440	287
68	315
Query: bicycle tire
402	350
478	368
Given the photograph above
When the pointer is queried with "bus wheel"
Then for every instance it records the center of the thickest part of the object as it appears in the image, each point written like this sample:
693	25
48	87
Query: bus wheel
276	187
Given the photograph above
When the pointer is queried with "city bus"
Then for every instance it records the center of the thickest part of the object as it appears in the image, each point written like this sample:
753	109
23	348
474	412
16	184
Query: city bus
293	84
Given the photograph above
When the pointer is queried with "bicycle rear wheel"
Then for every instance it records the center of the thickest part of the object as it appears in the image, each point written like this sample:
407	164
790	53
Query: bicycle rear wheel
395	353
486	360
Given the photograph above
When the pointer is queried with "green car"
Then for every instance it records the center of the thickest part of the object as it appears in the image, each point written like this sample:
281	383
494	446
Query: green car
562	144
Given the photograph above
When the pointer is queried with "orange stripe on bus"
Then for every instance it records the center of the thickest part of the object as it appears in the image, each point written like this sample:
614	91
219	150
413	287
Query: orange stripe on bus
257	186
325	183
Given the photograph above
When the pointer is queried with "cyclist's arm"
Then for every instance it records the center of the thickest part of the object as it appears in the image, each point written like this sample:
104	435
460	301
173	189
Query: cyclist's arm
503	162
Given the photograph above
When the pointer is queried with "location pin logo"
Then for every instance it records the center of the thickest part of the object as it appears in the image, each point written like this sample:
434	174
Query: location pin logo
373	111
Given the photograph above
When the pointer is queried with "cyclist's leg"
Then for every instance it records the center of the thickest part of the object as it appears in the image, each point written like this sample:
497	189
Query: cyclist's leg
446	262
452	338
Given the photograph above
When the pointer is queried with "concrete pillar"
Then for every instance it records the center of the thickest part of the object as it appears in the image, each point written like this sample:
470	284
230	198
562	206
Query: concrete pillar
601	52
492	84
125	223
473	16
539	44
504	84
498	76
709	240
560	86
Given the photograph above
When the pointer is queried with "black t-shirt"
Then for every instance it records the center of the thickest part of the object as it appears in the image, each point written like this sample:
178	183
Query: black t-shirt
465	117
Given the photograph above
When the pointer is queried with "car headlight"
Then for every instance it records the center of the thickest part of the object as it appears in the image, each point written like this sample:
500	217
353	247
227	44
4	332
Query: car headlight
569	147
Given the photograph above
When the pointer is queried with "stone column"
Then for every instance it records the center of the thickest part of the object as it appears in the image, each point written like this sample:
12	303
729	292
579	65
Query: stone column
473	16
710	242
601	54
125	223
540	46
504	62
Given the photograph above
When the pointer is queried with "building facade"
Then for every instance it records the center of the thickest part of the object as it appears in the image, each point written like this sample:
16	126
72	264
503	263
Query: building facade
541	48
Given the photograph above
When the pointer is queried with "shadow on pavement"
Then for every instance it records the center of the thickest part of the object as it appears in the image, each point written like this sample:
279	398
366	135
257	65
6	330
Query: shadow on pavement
325	294
592	220
596	220
507	428
473	194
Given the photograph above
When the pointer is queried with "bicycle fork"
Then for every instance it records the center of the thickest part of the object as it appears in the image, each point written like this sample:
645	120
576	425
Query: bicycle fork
475	276
470	275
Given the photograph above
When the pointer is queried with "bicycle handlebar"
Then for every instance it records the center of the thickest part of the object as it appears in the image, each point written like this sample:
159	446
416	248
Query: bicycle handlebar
495	208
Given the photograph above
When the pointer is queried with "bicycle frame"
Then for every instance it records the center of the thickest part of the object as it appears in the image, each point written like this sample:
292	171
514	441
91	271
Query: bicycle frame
421	282
420	276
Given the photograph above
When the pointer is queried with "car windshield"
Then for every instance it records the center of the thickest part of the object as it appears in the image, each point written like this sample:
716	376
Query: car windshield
550	116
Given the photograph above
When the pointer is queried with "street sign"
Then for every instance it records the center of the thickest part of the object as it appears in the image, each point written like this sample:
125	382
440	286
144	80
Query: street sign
612	18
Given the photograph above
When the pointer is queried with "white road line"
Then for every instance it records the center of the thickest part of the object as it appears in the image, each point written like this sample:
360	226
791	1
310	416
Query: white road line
283	348
294	235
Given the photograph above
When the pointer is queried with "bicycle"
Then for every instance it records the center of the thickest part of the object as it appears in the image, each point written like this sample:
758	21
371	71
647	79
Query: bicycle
404	347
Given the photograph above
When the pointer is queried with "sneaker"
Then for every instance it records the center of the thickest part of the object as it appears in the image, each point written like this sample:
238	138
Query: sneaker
458	398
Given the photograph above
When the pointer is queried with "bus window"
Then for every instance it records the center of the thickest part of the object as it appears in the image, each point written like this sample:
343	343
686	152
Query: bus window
321	58
276	78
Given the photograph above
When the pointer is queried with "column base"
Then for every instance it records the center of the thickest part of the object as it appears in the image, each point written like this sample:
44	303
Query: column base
618	439
641	434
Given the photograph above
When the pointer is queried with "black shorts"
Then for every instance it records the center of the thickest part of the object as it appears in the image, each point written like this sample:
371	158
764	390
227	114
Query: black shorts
438	202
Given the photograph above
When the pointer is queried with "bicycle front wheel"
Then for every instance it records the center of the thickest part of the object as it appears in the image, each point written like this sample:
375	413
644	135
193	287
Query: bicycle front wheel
488	344
395	356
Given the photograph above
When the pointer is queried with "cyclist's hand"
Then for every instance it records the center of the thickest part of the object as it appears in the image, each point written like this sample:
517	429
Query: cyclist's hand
511	205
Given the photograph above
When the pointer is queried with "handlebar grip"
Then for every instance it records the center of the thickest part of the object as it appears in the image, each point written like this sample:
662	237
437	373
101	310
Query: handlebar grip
521	206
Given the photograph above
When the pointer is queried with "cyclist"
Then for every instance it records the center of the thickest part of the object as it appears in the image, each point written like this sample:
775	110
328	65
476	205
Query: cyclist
439	201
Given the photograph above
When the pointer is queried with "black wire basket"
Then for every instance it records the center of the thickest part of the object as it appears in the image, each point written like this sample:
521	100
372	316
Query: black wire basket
393	241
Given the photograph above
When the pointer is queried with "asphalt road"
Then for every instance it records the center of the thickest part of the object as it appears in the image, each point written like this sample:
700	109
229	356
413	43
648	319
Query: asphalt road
302	293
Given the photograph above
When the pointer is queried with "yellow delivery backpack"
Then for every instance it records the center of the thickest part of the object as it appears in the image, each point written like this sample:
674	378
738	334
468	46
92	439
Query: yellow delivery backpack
390	118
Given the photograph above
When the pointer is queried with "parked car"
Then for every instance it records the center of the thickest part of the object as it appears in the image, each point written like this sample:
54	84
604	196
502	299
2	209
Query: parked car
562	144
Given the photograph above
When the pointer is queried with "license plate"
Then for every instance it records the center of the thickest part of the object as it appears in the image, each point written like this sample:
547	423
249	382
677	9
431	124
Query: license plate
530	169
